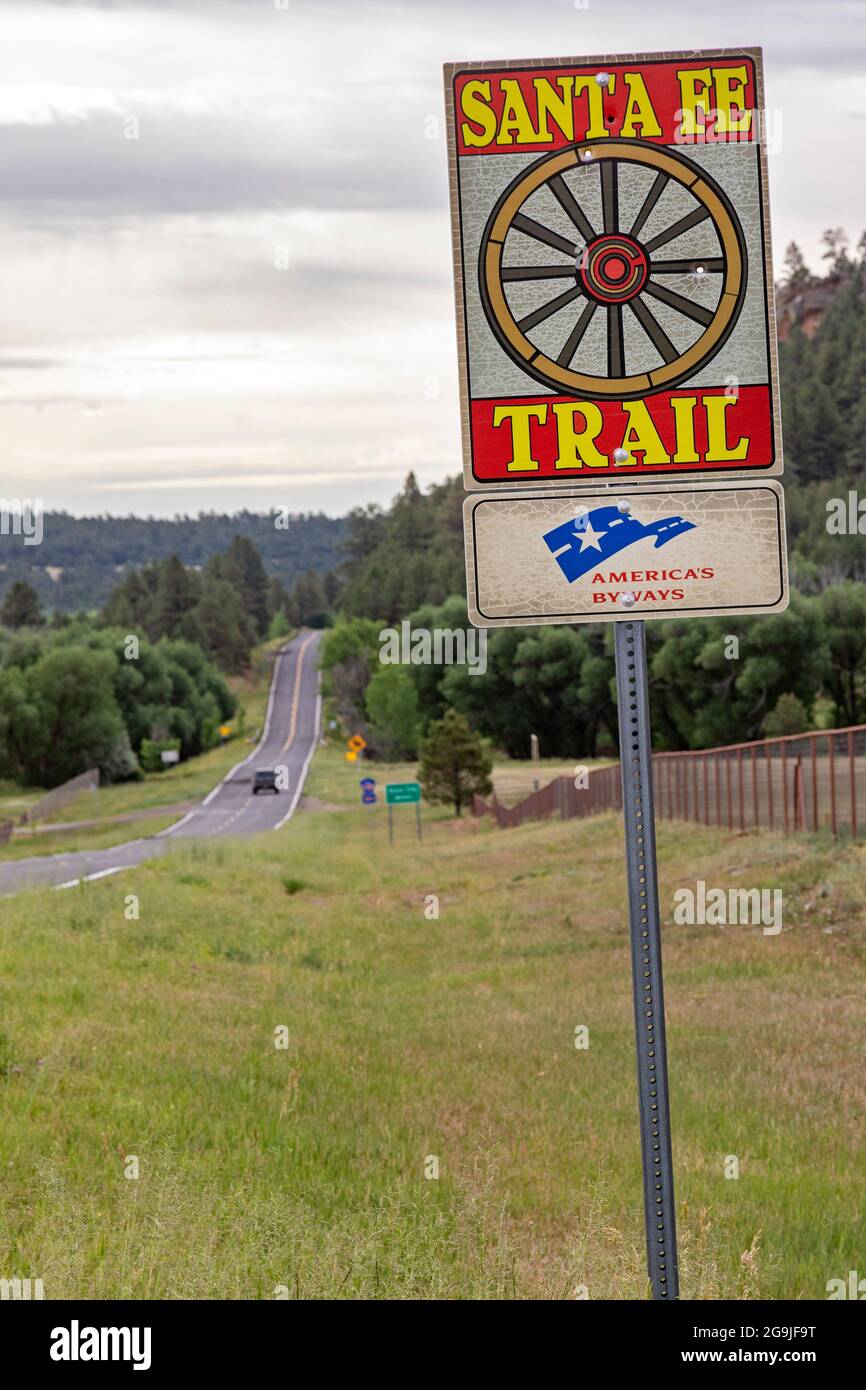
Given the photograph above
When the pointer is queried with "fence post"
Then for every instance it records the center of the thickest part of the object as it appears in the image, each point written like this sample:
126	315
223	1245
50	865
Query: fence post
830	742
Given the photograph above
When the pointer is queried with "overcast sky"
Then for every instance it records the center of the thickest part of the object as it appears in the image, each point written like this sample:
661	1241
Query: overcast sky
250	304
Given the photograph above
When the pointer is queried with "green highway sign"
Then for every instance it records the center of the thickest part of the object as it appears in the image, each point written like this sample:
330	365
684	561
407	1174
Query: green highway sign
400	793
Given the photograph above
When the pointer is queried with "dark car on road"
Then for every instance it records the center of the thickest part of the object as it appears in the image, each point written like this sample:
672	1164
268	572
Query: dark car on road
265	780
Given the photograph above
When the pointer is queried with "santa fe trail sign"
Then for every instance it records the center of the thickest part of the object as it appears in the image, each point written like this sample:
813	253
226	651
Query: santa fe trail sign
619	398
616	337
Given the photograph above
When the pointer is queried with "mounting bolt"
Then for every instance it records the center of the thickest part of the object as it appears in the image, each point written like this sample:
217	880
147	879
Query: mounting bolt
624	506
620	455
586	156
603	79
627	600
700	270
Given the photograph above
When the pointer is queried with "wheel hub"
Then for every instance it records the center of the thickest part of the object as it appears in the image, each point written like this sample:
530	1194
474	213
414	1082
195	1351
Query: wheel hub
613	268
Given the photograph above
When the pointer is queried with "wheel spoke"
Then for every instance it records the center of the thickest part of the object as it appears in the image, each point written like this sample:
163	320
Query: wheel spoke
551	307
691	219
569	204
697	312
530	227
715	265
609	196
538	272
649	202
654	331
615	349
572	342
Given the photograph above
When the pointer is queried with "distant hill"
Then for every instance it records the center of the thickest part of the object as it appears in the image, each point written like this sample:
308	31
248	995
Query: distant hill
81	558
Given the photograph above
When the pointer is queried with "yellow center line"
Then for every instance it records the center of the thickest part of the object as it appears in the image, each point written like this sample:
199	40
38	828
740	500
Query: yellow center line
297	693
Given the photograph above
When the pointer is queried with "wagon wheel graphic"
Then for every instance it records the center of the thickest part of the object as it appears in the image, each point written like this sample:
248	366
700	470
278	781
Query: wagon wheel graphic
612	269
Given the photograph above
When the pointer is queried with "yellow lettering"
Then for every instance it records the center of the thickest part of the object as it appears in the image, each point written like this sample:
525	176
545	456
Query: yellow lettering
578	448
695	84
472	103
595	126
717	436
684	426
641	436
515	117
640	118
559	105
521	441
731	93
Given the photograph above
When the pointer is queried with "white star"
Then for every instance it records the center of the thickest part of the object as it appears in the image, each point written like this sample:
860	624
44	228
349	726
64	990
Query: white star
589	539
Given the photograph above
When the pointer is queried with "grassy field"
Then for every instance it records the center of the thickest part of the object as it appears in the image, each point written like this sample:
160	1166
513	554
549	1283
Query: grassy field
86	838
413	1039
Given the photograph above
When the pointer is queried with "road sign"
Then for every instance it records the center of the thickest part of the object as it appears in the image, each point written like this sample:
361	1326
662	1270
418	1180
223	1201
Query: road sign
578	556
368	791
169	755
612	269
356	743
618	374
225	730
351	756
403	794
400	793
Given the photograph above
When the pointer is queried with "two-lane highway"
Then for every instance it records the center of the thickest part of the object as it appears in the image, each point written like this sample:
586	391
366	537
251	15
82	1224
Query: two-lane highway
288	741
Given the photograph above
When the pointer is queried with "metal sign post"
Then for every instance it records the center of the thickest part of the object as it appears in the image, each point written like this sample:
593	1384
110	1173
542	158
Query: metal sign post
646	957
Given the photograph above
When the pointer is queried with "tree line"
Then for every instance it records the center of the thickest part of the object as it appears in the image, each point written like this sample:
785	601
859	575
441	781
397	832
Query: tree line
714	681
75	696
78	562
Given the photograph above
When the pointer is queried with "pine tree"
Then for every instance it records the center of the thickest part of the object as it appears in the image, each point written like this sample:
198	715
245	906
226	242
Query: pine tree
455	763
177	593
796	272
244	568
21	607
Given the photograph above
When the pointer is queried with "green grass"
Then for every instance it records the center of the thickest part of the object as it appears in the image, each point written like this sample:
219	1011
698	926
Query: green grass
411	1038
86	838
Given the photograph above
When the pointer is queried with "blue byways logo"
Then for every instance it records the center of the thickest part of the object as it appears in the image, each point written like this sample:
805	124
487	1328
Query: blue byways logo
579	545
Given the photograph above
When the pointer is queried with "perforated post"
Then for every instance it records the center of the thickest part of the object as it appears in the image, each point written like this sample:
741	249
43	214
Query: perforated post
646	957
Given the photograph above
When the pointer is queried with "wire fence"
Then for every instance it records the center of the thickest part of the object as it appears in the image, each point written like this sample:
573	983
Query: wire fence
566	797
802	782
61	796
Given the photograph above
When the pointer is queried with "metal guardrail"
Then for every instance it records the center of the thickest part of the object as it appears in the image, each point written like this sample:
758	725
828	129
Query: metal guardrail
61	796
801	782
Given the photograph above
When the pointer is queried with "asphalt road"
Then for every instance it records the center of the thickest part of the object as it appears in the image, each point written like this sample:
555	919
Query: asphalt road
289	740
